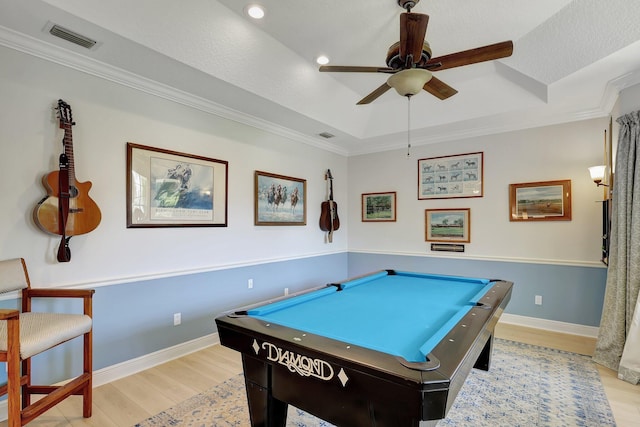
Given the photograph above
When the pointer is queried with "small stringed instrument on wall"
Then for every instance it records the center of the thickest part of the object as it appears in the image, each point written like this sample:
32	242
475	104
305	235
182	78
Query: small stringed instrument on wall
329	220
66	210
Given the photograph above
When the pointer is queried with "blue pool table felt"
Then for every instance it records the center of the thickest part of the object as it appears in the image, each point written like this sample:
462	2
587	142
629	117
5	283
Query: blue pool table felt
406	314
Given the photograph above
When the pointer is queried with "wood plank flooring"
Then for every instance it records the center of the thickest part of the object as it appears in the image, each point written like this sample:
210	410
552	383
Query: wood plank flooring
124	402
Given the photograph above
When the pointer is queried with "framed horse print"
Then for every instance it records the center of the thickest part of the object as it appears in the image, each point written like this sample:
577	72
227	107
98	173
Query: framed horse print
279	200
448	177
171	189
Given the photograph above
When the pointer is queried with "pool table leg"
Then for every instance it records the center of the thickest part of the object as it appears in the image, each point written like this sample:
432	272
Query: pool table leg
264	409
484	359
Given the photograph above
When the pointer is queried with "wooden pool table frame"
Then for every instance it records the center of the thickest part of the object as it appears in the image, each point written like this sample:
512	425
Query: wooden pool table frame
349	385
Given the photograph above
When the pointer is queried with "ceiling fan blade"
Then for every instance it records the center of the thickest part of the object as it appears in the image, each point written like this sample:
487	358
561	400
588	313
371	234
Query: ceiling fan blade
355	69
413	29
439	89
471	56
375	94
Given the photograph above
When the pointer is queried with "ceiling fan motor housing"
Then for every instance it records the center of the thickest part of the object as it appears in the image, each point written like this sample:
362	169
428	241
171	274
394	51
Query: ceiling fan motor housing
394	61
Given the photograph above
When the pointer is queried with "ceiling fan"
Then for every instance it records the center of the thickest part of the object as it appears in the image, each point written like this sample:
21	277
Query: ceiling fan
410	63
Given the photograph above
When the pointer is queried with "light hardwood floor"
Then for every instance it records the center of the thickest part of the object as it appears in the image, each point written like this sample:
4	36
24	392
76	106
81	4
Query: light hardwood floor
124	402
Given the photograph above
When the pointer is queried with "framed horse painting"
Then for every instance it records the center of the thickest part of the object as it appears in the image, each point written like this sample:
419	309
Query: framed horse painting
279	200
172	189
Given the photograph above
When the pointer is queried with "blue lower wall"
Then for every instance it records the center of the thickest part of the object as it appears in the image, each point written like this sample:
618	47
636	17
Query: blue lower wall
572	294
135	319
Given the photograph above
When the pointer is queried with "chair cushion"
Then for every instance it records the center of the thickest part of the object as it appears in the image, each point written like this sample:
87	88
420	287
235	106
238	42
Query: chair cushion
41	331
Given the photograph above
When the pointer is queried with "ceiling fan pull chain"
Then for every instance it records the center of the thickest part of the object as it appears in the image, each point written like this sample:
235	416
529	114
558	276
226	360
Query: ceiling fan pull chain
408	126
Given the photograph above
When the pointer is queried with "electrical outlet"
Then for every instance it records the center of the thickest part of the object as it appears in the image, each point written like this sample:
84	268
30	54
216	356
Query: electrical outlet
177	319
286	291
250	283
538	300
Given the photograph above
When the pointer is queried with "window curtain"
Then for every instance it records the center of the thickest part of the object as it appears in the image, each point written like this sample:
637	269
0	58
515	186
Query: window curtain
618	344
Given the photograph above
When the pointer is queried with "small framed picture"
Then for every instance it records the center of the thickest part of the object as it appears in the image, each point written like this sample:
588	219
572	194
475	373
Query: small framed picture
280	200
448	225
540	201
379	207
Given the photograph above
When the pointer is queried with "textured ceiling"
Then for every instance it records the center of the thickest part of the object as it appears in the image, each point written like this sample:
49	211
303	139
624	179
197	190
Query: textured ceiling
570	60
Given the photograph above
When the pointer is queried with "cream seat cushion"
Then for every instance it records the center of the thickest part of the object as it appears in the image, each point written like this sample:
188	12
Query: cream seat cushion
41	331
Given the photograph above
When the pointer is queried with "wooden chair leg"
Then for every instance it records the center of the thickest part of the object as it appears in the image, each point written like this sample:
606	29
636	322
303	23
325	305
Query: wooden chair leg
87	393
13	374
26	372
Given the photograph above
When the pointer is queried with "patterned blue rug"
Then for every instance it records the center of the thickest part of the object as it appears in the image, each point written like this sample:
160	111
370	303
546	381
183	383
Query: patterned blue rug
526	386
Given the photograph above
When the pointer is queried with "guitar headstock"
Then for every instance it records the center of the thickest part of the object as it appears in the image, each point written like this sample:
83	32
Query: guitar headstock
64	114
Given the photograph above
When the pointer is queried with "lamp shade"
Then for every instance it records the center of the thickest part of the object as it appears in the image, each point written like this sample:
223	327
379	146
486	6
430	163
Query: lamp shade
597	173
409	82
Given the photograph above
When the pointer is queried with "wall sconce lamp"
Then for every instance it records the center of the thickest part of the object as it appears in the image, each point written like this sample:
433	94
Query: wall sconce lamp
597	174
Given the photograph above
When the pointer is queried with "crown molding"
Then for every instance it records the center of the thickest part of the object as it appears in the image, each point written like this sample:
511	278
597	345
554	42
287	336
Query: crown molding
53	53
456	131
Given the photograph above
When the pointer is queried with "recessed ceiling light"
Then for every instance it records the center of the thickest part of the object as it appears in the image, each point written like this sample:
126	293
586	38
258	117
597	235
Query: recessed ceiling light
255	11
322	60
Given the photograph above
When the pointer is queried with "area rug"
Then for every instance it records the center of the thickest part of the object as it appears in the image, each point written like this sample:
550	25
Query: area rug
526	386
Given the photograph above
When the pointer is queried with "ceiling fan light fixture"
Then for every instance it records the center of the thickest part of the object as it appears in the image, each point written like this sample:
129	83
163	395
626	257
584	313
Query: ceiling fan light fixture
409	82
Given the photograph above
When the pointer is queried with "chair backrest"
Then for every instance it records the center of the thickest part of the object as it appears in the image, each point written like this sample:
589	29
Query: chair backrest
13	275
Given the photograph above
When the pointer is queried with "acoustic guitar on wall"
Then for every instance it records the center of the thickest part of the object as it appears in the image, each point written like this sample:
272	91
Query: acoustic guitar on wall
329	220
66	210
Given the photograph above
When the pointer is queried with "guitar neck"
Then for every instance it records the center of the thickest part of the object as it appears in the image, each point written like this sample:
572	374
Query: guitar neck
67	142
331	189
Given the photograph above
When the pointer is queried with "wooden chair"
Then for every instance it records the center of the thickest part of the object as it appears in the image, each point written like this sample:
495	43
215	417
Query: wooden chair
25	334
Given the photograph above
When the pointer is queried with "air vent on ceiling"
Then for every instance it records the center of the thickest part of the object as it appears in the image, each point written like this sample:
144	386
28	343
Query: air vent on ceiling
72	36
326	135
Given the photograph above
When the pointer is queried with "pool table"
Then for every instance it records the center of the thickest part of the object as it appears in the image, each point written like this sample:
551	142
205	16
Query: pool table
390	348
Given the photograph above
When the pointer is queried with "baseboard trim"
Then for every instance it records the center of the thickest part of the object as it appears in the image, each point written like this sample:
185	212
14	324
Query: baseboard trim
133	366
550	325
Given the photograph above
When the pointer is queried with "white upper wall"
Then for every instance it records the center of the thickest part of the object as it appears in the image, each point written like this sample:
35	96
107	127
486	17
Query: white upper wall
542	154
108	116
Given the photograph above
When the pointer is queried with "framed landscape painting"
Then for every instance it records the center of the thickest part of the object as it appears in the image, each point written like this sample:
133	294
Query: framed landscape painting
379	207
540	201
448	225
